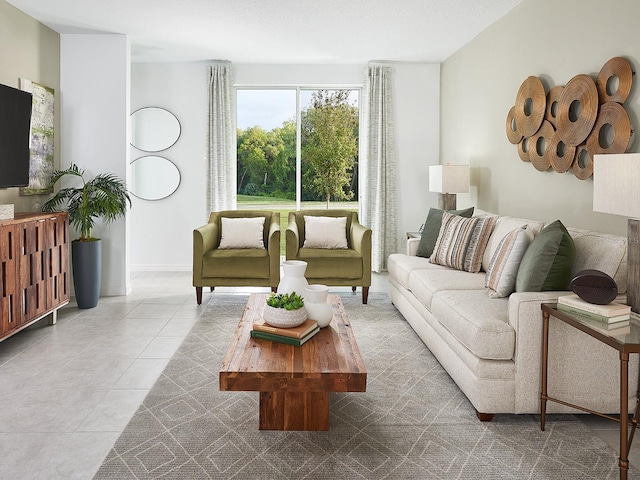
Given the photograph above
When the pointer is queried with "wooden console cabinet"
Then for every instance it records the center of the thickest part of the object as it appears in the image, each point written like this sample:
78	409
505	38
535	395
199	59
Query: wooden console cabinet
34	269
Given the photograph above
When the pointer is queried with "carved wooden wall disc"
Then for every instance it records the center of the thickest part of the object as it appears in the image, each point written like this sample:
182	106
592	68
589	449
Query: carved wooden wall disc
553	102
621	68
614	114
514	136
582	89
523	149
560	155
531	103
539	158
585	170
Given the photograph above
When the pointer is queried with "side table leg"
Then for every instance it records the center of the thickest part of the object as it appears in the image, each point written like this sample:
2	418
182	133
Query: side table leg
624	414
545	361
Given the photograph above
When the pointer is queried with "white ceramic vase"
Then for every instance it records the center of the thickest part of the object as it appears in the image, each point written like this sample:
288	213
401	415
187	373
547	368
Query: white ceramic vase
293	278
315	301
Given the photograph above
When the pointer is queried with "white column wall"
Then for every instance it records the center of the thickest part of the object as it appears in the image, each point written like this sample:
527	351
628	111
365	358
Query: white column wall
94	84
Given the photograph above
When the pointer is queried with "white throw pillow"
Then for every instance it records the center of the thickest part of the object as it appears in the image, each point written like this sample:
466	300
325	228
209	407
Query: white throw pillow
325	232
503	268
242	232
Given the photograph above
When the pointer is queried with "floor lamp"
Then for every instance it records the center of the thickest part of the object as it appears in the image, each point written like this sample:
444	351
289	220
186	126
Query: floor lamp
616	185
448	180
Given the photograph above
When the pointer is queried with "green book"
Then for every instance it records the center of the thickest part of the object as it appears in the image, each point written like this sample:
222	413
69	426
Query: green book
593	316
282	339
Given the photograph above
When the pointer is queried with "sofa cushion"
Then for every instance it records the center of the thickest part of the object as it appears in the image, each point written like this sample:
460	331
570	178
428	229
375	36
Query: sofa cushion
548	261
243	232
601	251
432	229
503	226
236	263
477	321
461	242
424	283
331	263
325	232
503	268
400	266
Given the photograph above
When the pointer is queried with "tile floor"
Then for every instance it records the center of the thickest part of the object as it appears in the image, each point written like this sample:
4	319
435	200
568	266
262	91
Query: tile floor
67	391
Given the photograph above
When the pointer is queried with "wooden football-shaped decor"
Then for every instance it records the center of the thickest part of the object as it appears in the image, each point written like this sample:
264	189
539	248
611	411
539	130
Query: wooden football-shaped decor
594	286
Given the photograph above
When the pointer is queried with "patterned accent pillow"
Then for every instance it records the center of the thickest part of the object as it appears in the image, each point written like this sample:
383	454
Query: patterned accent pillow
503	268
461	242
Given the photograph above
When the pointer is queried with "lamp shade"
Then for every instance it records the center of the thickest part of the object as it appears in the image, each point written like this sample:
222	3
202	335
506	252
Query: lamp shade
616	184
449	178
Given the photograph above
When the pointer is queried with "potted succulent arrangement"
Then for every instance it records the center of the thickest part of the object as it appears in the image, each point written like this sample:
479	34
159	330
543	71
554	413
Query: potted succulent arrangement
106	197
285	310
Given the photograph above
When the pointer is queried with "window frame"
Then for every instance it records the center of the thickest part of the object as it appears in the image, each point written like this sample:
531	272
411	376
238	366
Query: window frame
298	89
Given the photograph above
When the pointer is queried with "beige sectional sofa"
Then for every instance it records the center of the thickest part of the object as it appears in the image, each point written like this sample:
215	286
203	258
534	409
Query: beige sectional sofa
491	347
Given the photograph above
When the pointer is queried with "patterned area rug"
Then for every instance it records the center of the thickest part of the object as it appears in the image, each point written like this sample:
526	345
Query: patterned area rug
412	423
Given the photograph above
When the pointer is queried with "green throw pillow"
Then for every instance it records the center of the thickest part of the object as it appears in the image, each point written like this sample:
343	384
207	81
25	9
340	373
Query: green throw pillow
547	263
432	228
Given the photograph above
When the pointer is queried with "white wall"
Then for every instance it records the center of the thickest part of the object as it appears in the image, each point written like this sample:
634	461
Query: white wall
552	40
28	50
416	94
94	84
161	231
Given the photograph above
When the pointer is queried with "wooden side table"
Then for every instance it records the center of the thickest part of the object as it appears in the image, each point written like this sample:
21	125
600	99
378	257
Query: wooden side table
625	344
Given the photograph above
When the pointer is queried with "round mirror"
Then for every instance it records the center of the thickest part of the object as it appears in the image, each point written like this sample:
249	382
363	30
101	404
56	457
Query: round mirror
154	178
154	129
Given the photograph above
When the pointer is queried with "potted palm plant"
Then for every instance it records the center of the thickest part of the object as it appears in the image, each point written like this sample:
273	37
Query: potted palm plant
106	197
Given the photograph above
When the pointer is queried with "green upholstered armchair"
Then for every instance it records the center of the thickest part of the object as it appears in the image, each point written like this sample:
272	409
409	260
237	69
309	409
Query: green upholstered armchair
258	267
342	266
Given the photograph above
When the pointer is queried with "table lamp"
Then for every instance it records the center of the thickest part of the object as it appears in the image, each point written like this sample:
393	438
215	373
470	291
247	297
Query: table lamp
448	180
616	188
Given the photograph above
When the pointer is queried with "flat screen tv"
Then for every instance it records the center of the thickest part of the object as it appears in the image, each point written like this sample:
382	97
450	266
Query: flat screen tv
15	123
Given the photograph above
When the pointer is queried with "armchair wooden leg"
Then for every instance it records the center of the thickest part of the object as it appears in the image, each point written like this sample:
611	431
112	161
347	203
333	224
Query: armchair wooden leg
274	289
199	295
365	295
353	289
212	288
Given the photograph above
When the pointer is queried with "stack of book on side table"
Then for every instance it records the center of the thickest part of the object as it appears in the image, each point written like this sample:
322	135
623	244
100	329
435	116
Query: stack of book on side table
612	318
293	336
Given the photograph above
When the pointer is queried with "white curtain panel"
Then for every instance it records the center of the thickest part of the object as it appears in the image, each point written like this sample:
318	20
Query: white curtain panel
221	172
379	208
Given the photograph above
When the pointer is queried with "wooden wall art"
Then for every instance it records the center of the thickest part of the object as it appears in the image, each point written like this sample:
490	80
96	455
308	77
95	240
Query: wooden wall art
565	127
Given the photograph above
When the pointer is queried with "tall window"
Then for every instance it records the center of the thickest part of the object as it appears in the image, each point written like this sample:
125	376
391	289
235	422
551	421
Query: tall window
297	148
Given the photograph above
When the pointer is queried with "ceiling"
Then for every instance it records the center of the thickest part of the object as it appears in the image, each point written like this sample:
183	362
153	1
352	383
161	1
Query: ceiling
278	31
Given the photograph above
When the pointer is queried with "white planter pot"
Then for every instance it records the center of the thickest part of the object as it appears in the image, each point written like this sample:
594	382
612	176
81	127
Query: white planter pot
293	278
282	318
315	301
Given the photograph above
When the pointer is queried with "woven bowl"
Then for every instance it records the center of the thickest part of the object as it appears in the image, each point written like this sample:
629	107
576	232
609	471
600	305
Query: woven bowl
282	318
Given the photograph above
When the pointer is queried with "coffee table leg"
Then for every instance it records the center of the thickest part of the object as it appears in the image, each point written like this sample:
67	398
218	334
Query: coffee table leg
294	411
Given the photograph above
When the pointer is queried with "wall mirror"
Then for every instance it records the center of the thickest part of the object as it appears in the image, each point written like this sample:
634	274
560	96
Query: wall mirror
153	177
154	129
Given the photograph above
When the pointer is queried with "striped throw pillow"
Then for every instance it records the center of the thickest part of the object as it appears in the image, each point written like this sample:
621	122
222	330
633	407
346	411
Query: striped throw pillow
461	242
503	267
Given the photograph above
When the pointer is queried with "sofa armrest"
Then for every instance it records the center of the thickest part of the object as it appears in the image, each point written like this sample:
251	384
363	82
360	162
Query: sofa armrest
412	246
205	238
573	357
273	246
292	237
361	243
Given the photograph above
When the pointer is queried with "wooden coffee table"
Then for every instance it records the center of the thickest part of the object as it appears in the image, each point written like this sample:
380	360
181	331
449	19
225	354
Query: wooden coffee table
294	382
